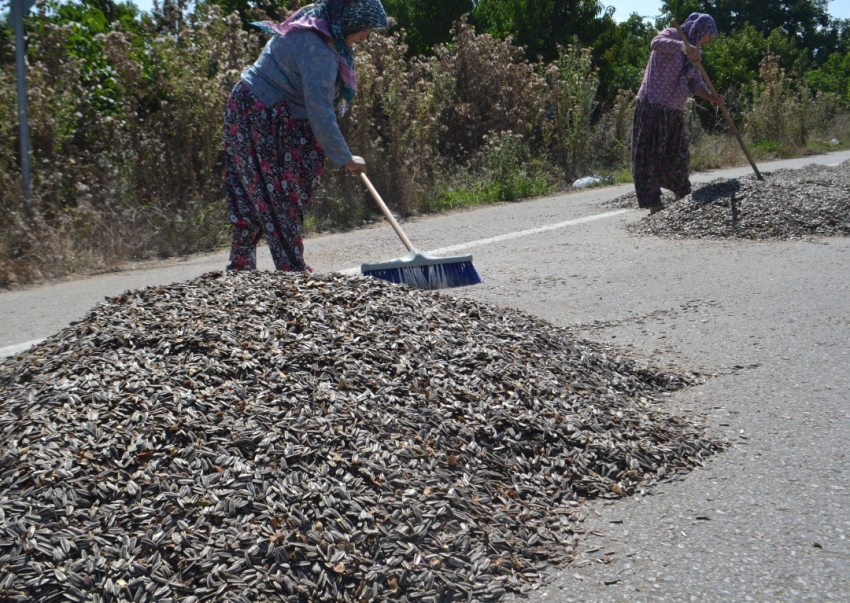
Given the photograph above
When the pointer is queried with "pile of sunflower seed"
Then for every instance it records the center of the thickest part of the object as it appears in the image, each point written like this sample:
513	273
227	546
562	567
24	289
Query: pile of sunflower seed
268	437
788	204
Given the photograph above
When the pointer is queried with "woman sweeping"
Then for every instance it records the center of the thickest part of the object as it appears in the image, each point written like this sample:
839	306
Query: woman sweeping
660	156
280	123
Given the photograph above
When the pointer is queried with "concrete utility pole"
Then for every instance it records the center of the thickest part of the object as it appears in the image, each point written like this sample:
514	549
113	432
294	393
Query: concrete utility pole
18	8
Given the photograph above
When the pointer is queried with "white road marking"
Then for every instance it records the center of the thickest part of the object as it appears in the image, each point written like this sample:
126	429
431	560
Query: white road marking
831	165
443	251
18	348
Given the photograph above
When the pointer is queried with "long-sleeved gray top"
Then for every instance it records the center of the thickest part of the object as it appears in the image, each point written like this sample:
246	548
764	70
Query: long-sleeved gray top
302	70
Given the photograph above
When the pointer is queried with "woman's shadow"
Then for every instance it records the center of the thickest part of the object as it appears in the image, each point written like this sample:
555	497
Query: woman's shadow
721	194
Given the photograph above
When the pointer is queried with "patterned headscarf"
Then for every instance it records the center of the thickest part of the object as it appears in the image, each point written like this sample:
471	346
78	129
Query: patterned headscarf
334	21
695	27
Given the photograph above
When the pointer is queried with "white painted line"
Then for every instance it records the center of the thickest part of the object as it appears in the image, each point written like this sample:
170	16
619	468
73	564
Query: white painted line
18	348
831	165
524	233
509	236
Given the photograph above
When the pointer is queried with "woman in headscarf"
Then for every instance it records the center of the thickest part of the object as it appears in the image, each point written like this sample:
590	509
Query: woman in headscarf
660	156
280	124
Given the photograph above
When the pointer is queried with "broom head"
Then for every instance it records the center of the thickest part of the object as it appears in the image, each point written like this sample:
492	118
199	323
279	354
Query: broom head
422	271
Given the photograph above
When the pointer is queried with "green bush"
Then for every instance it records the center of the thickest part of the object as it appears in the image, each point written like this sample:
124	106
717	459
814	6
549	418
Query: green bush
785	117
833	77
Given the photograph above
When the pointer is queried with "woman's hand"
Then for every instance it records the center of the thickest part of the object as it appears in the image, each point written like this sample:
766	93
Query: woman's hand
356	165
695	54
702	91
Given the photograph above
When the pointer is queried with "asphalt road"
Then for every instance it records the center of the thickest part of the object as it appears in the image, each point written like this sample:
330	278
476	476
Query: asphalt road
768	323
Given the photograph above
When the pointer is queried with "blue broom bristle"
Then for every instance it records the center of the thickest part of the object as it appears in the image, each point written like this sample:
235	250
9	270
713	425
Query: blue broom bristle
436	276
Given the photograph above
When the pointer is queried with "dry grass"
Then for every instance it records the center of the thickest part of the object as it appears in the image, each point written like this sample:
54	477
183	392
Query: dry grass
127	152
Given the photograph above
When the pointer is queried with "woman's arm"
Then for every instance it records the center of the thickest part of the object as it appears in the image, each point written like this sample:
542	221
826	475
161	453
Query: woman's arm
702	91
664	42
318	66
699	88
668	41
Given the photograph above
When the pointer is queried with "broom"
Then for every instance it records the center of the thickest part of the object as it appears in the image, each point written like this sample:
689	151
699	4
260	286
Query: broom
417	269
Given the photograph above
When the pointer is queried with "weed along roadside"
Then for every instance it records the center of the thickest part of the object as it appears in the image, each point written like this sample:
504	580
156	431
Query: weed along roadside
125	119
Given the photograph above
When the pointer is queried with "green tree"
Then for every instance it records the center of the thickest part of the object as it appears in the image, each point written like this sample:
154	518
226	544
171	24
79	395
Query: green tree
624	51
807	21
427	22
842	35
733	59
540	26
833	76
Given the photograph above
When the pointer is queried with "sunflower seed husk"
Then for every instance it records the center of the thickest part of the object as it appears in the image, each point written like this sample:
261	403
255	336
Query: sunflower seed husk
813	201
258	436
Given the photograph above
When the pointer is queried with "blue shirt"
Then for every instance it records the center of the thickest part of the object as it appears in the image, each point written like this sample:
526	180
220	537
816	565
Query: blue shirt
302	70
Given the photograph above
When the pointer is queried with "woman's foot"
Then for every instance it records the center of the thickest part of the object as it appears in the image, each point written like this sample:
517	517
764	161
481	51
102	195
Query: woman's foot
239	267
655	209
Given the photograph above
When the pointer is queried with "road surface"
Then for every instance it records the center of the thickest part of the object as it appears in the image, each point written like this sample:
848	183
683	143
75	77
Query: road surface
768	322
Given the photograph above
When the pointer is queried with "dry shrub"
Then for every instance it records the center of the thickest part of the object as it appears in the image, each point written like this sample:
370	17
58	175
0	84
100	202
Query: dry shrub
393	124
420	121
571	84
126	142
780	112
490	88
829	118
786	118
612	134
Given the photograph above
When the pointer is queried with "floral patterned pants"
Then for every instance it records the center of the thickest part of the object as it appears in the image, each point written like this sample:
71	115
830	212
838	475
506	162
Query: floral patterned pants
660	155
271	163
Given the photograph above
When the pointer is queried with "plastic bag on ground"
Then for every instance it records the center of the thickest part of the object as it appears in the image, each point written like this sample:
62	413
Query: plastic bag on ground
589	181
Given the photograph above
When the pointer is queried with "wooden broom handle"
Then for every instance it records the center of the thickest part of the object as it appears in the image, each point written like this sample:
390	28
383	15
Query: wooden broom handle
386	211
722	106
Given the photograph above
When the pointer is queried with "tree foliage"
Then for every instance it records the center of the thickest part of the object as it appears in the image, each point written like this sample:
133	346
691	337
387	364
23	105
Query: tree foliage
807	21
427	22
622	55
833	76
541	26
732	60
